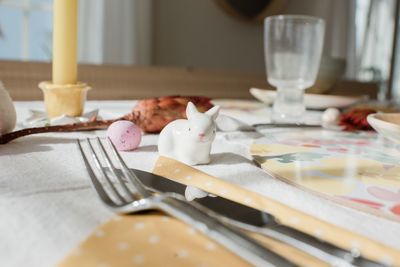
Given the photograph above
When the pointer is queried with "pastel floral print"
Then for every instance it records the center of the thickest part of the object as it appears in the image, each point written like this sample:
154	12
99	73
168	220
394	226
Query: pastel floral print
387	195
359	167
384	194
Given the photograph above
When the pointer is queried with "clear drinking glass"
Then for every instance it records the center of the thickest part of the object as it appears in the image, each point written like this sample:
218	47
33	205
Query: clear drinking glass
293	47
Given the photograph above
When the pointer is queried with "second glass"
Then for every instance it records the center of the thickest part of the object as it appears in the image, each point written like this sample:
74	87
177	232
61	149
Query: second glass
293	47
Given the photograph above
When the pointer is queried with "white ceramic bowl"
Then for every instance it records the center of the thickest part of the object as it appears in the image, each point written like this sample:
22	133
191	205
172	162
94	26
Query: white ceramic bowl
386	124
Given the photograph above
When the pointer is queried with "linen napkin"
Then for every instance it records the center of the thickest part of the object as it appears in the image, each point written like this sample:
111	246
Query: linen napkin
154	239
326	231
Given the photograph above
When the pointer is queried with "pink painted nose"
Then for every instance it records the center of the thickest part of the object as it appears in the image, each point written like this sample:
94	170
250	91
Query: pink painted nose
202	135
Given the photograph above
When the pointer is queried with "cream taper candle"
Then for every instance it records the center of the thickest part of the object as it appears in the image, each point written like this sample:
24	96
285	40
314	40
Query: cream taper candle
64	95
65	41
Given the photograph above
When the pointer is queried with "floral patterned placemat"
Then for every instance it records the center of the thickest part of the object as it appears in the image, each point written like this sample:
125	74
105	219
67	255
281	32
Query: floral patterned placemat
361	170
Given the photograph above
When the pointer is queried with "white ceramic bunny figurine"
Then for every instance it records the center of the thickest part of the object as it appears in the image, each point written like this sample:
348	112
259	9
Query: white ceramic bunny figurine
189	141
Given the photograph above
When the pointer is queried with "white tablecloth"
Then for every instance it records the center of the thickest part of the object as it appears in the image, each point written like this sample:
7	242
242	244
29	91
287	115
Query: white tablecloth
47	206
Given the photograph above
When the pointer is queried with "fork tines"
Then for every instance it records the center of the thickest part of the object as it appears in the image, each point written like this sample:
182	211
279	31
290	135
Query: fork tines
115	186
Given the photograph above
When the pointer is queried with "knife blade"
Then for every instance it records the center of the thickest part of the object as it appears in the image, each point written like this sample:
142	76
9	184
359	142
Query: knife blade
251	219
288	125
229	124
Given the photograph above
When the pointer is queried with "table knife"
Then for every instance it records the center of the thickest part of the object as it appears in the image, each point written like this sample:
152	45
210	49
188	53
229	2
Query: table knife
287	125
254	220
229	124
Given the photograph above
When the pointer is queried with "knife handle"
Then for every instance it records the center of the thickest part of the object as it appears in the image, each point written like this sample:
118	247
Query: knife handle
201	219
352	257
319	249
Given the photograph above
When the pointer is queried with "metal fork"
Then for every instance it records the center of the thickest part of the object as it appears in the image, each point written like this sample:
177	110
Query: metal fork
136	198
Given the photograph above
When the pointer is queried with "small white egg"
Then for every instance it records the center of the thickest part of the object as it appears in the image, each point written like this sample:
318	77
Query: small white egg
330	116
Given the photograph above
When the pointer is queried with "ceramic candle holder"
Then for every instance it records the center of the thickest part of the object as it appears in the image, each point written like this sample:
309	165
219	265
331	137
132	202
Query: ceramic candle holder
66	99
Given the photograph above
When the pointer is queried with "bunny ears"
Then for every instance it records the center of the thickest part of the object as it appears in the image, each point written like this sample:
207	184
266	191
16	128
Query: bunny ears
191	111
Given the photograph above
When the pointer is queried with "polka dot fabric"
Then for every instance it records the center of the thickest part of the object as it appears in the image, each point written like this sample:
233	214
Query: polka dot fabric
148	240
288	216
154	239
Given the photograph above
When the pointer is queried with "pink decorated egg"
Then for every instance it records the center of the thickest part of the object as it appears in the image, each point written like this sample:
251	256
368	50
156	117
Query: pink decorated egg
125	135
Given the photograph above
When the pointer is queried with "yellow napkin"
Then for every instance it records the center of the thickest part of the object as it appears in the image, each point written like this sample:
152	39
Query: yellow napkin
153	239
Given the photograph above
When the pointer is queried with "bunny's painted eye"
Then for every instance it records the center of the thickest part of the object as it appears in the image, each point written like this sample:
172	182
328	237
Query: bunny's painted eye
189	129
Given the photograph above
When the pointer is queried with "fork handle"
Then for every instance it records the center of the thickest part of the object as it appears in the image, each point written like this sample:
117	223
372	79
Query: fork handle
237	242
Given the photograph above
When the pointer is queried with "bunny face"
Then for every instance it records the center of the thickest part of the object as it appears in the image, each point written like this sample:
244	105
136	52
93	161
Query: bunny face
201	126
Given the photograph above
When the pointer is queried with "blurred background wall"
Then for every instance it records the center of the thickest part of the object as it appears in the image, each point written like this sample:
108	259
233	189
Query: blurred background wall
200	33
193	33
